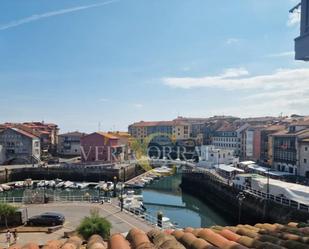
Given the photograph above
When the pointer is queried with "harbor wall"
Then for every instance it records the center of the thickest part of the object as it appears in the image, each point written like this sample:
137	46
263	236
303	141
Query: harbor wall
224	198
91	174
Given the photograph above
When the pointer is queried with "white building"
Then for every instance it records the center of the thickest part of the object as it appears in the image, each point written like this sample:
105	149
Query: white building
230	137
69	143
210	156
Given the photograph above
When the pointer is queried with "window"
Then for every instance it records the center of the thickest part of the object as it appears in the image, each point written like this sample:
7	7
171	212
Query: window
305	160
306	148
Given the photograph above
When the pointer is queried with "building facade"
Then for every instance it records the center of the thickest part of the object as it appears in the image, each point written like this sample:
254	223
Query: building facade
69	143
286	147
177	129
265	157
101	147
211	156
304	157
230	137
19	147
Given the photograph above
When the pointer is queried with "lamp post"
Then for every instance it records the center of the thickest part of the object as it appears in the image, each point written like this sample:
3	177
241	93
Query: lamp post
240	198
115	183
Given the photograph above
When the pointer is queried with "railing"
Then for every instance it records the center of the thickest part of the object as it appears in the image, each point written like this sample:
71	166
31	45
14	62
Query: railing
277	199
149	219
280	200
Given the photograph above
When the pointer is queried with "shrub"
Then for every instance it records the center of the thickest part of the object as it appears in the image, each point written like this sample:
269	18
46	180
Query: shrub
7	210
94	224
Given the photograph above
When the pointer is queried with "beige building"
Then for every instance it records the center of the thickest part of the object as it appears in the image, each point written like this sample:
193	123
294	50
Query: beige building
177	129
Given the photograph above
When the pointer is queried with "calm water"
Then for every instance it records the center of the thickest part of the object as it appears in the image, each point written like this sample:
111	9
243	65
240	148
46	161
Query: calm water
185	210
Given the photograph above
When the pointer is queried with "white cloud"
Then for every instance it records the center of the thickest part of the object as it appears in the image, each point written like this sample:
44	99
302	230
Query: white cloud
231	41
294	19
282	54
38	17
138	106
233	79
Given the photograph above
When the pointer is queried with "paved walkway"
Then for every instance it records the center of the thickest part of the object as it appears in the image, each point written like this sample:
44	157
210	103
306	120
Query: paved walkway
74	213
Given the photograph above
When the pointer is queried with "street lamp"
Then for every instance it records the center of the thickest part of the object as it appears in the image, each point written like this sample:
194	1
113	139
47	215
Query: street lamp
115	183
240	198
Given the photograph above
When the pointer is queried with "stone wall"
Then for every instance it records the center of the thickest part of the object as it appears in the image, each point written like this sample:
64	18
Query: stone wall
224	199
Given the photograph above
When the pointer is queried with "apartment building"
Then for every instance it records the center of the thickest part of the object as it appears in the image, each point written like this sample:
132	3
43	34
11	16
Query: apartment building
177	129
102	147
286	146
230	136
69	144
19	147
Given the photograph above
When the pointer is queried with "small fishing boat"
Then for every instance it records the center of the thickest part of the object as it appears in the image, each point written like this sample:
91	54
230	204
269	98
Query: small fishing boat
5	187
68	184
19	184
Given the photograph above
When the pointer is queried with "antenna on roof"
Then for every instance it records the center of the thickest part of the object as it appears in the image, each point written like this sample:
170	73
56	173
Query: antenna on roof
99	126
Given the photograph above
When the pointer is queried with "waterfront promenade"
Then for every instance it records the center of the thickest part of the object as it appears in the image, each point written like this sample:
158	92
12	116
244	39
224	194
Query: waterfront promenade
74	212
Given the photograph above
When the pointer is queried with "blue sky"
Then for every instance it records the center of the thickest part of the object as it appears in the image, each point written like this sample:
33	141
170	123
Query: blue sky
81	62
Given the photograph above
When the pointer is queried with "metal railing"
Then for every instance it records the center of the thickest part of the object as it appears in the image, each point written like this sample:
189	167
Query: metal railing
278	199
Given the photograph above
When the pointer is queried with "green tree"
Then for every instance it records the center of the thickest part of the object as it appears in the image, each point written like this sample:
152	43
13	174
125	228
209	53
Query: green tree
94	224
7	210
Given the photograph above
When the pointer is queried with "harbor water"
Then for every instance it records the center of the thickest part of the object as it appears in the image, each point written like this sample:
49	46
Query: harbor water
164	195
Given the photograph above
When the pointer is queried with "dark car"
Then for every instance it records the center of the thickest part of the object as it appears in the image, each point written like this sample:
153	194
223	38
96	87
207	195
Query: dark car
46	219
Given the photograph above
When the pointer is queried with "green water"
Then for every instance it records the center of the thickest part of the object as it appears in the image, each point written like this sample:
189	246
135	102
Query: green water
191	211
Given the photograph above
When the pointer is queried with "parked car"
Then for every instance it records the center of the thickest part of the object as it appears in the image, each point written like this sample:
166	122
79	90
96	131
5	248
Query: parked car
46	219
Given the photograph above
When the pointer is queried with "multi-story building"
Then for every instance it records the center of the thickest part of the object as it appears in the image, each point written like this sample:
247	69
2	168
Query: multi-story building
252	143
177	129
302	42
47	132
102	147
286	152
210	156
304	157
125	140
69	143
230	137
19	147
266	144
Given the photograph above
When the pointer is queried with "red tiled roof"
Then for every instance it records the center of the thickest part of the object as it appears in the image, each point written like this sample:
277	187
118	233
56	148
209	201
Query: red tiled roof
24	133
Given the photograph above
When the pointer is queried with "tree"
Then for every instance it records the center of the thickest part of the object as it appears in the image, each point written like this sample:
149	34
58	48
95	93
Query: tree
94	224
7	210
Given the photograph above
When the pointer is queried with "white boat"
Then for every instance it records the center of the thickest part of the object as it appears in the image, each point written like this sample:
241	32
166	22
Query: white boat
60	185
131	195
19	184
28	183
5	187
51	183
82	185
110	185
163	170
166	223
42	184
1	189
68	184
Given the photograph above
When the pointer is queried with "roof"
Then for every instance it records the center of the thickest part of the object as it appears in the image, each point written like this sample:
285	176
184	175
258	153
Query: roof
301	123
27	134
73	133
119	133
261	235
228	168
107	135
159	123
275	128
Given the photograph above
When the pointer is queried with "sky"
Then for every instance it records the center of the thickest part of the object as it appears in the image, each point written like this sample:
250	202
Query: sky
90	64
